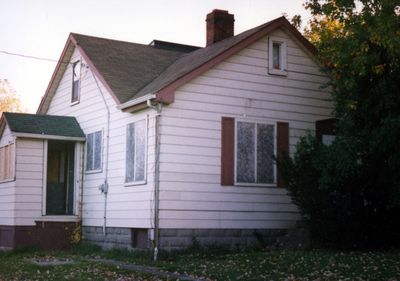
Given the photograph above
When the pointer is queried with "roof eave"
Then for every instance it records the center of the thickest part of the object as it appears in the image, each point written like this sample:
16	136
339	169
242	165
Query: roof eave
43	106
167	93
56	78
47	137
132	103
94	69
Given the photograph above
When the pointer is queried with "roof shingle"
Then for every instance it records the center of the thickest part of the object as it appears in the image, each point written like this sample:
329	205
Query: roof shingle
37	124
126	67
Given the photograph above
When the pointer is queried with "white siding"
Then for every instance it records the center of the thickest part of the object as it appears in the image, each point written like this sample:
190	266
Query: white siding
191	194
21	200
7	189
29	181
128	206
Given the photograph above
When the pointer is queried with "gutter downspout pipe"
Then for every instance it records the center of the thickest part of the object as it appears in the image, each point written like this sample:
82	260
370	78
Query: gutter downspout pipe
158	108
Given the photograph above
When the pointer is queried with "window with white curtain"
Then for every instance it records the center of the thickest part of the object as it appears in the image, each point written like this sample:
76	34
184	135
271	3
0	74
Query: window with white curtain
136	152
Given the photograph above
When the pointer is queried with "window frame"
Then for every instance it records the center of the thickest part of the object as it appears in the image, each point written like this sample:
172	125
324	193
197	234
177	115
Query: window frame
78	94
101	153
255	122
283	50
146	124
12	163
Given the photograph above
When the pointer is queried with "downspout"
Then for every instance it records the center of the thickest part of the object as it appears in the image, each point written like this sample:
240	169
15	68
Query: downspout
158	108
104	187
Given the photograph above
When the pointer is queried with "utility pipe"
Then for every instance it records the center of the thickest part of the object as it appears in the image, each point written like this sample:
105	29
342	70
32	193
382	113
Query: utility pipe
158	108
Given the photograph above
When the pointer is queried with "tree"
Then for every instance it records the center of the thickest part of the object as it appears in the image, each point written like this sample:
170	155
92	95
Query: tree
356	181
9	100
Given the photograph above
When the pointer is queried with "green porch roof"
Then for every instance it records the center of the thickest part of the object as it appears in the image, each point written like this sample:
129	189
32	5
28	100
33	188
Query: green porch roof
46	125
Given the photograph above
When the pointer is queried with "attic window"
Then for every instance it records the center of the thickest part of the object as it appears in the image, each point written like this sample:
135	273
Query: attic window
277	56
76	78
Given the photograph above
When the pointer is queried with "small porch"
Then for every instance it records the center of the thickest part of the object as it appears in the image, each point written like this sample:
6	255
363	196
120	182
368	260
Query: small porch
46	181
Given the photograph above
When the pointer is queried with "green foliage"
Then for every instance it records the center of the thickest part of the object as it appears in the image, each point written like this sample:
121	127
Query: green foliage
341	204
9	100
352	188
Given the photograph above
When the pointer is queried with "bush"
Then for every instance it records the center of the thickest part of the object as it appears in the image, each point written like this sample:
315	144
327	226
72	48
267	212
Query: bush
338	196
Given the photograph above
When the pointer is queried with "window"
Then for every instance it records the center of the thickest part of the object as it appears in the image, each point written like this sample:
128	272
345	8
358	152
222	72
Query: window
7	162
277	56
93	151
76	77
229	150
325	130
254	150
136	152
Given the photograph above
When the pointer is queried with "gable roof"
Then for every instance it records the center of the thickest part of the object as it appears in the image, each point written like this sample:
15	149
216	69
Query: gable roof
132	71
123	67
197	62
126	67
44	125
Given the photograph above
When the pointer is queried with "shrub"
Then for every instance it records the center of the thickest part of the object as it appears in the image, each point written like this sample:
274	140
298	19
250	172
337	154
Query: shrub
337	196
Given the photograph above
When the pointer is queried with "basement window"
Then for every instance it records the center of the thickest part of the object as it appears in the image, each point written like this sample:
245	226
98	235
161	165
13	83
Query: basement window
76	82
277	56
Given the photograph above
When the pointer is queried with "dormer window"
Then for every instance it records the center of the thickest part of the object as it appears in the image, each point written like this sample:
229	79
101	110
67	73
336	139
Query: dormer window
277	56
76	81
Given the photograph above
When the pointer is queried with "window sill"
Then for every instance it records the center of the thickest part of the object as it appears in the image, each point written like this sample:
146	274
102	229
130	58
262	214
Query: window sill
60	218
135	183
93	172
7	180
279	72
241	184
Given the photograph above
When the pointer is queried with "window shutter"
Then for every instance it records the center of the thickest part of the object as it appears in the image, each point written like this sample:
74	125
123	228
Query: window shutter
282	147
227	150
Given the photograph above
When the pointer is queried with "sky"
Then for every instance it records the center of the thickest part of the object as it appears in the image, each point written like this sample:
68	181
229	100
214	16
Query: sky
40	28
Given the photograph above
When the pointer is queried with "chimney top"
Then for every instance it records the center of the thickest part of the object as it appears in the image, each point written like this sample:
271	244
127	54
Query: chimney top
220	25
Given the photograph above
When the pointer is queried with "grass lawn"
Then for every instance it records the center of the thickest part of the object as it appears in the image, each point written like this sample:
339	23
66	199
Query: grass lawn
210	264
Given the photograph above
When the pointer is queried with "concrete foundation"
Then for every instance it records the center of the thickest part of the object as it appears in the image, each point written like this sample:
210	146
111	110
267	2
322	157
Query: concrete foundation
116	237
174	239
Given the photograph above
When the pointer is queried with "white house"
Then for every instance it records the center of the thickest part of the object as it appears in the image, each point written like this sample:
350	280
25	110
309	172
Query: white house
156	145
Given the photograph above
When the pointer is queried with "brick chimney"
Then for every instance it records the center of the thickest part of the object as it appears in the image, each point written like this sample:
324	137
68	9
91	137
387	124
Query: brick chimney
219	26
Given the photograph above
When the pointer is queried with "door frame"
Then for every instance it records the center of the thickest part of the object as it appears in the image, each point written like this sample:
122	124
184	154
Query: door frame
77	176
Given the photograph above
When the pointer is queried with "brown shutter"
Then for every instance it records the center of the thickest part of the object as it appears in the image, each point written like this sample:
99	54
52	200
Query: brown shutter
282	140
227	150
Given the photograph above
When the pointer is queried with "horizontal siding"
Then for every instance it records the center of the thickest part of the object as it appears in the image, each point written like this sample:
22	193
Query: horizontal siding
91	114
7	189
7	203
226	224
191	194
29	183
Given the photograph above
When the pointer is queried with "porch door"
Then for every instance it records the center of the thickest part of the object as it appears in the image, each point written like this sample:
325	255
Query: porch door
60	178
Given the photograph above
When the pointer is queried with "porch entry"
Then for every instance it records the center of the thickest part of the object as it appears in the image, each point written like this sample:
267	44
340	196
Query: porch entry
60	178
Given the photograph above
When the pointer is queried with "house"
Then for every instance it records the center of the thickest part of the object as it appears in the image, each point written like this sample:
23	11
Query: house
160	145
